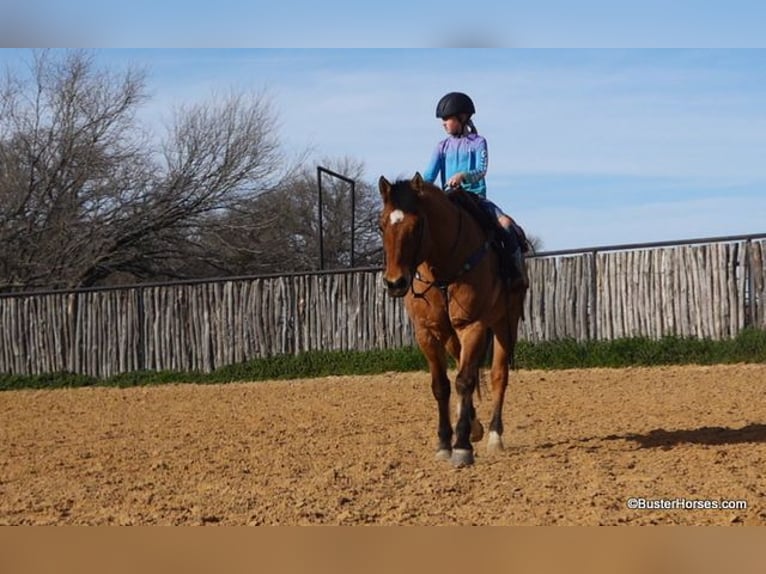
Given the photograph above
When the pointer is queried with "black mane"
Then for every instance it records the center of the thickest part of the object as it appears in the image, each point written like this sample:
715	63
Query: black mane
469	202
403	196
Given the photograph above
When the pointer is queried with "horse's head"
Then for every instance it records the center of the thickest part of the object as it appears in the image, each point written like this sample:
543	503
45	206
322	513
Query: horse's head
403	226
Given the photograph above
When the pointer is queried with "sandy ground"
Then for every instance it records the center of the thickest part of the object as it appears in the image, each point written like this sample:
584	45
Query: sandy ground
360	450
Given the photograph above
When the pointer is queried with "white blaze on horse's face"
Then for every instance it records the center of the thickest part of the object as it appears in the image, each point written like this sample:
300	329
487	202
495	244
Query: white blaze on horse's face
400	251
397	216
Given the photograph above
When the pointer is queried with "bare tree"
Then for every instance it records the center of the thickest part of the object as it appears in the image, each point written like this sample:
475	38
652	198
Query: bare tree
84	193
287	238
61	133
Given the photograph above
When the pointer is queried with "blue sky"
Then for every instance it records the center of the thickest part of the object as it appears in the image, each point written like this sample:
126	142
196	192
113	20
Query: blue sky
394	23
587	146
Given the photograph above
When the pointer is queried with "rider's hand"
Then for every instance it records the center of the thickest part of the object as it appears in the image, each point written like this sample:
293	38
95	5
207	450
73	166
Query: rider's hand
456	180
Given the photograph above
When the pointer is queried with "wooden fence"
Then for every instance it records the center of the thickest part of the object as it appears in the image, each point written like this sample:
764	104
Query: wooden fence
711	289
708	290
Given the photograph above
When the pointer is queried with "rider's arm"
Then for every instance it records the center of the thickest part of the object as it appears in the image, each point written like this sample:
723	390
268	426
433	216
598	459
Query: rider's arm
482	163
435	165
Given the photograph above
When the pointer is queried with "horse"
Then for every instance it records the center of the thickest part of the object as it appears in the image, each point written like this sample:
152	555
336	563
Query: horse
439	258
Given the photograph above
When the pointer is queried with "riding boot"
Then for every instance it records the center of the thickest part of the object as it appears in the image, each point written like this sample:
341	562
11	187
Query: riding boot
519	277
516	269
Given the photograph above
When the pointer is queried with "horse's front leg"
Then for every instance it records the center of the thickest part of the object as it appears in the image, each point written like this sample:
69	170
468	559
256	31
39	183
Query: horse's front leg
472	348
440	387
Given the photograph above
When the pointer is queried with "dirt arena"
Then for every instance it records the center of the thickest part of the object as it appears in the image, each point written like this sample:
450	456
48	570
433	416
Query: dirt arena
360	450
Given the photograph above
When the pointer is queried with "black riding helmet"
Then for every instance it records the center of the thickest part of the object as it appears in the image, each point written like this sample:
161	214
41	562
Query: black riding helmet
453	104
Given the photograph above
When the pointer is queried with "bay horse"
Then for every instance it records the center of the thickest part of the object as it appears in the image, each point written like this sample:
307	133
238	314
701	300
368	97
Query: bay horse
438	258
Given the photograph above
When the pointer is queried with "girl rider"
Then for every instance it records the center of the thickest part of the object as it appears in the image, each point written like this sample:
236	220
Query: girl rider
461	161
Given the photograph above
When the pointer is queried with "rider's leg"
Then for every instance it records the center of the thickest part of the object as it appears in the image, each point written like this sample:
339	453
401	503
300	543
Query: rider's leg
510	224
515	246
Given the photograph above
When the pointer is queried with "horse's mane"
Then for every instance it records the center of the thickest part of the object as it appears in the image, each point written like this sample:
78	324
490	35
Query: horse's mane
404	197
469	202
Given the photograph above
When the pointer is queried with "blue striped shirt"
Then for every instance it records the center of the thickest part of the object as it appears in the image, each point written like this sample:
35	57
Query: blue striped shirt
466	154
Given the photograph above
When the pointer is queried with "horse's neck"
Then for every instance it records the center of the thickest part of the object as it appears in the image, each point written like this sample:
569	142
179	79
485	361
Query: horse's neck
452	235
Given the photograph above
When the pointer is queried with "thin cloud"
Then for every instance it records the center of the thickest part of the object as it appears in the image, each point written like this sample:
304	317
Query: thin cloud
585	146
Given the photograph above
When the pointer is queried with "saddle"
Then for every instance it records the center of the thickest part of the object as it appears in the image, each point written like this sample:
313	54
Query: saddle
502	242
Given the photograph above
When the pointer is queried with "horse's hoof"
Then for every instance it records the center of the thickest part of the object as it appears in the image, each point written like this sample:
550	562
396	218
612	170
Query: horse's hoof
495	443
462	457
443	454
477	430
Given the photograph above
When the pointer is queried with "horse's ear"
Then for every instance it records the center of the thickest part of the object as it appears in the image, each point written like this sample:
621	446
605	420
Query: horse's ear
385	188
417	182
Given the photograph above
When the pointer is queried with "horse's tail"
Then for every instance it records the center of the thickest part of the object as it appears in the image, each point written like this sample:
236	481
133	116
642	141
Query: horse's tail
487	358
479	383
513	325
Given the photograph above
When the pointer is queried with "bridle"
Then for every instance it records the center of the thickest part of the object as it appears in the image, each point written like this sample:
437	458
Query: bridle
443	284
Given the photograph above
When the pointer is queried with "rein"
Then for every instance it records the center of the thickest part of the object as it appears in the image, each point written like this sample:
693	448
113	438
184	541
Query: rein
472	261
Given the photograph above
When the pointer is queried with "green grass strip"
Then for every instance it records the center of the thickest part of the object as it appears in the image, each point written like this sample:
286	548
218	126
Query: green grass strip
748	347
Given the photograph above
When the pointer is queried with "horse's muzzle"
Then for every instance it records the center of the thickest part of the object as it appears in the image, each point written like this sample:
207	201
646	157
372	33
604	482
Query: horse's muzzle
397	288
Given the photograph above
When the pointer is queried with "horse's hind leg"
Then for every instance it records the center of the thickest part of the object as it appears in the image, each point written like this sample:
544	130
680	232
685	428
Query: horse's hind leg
440	386
505	345
499	375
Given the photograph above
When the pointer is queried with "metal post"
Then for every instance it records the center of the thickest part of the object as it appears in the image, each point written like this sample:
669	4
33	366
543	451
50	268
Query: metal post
321	220
320	171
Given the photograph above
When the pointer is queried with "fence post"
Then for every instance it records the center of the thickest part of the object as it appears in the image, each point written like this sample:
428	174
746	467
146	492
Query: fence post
141	317
594	296
73	311
750	316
